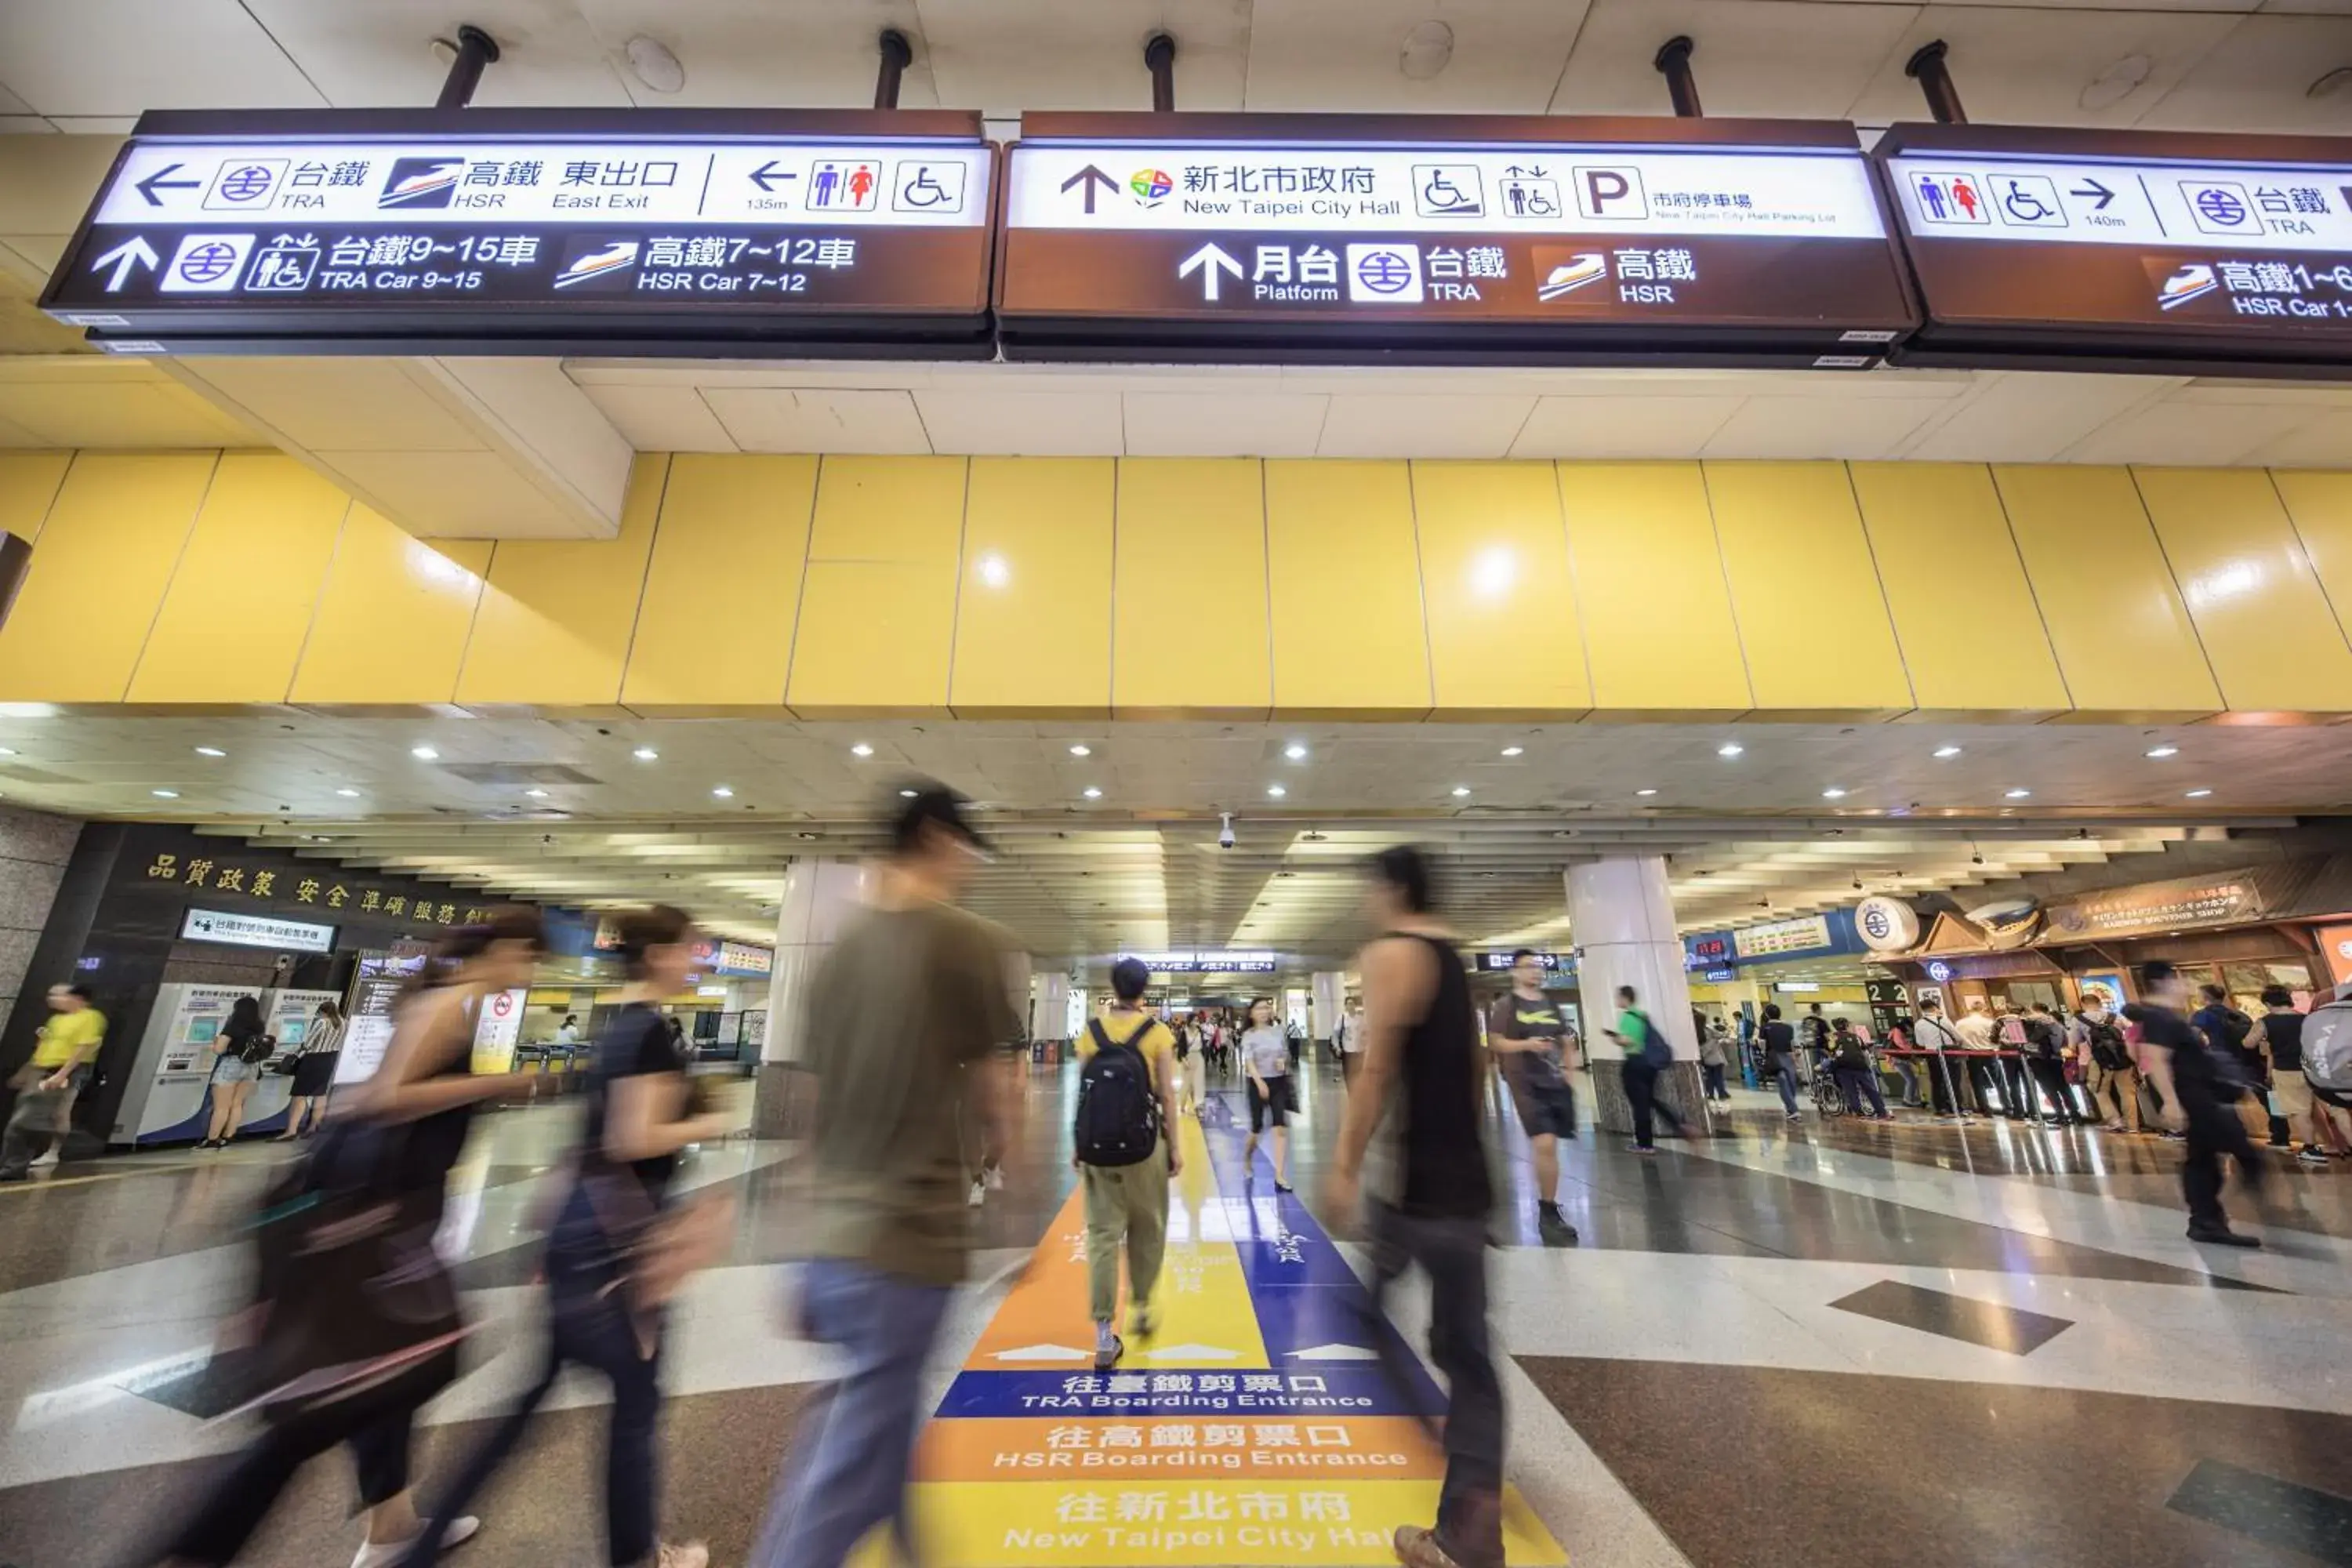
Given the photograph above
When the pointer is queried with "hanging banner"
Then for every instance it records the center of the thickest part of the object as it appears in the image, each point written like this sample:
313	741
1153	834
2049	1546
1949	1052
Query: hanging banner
2153	908
1445	239
501	231
2079	249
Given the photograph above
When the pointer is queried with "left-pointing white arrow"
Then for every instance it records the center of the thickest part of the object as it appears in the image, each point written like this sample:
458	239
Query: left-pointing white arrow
1209	261
126	258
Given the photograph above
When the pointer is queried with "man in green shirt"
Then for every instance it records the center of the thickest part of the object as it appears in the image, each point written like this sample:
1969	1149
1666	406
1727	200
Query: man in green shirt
1632	1035
906	1017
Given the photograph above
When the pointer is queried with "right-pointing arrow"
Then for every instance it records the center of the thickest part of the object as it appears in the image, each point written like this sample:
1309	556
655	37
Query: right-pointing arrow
2091	187
1209	261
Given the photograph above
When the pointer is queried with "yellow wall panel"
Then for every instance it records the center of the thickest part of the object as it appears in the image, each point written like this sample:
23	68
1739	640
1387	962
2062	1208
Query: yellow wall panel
29	483
723	588
878	609
2267	628
553	626
1812	620
1345	584
240	605
1189	629
1504	637
1970	630
2321	507
1033	615
2122	638
1658	612
105	556
393	619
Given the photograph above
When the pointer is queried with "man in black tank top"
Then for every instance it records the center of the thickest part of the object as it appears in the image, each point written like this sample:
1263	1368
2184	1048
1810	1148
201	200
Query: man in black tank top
1420	1089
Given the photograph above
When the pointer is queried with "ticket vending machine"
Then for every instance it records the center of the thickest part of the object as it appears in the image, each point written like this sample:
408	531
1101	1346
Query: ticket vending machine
168	1099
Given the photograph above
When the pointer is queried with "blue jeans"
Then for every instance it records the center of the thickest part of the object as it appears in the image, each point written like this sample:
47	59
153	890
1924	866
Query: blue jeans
1784	1073
847	1472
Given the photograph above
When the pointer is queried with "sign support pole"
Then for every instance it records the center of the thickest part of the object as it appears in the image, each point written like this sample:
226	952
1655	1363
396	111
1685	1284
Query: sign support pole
897	55
1160	60
1673	62
476	48
1935	78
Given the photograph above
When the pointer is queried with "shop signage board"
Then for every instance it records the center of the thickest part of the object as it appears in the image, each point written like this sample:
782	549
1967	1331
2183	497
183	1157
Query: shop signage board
1362	238
2125	250
2153	908
498	231
257	931
1778	939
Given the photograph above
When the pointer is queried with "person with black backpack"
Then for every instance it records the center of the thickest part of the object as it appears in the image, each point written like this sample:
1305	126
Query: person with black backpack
2046	1043
1647	1055
238	1051
1124	1139
2114	1081
2200	1085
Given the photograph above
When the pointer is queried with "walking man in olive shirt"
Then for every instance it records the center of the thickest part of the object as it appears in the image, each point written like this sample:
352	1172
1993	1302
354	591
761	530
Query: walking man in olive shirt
907	1016
1526	1035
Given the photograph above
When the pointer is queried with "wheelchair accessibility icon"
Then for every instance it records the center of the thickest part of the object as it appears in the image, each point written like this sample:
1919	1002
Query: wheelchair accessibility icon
1448	190
925	188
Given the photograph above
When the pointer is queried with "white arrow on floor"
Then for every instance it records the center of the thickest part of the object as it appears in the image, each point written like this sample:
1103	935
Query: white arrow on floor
1043	1352
1336	1352
1193	1352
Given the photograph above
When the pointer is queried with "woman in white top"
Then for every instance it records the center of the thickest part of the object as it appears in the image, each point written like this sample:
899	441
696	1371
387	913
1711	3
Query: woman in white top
314	1071
1266	1057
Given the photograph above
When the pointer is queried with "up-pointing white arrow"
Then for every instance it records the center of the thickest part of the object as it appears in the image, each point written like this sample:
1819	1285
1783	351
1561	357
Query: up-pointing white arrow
1193	1352
131	255
1336	1352
1045	1352
1209	261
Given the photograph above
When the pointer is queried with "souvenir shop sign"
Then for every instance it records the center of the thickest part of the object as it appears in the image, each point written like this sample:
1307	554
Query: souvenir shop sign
2072	249
1360	238
498	231
2153	909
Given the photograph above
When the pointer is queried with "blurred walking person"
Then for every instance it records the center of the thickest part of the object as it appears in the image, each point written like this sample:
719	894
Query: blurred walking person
619	1248
47	1084
352	1352
1422	1091
908	1007
1781	1058
1125	1136
2199	1083
1647	1055
1272	1092
314	1071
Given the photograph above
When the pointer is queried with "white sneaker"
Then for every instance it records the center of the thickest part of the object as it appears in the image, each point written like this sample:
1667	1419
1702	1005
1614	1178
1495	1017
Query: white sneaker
381	1554
685	1554
979	1194
995	1178
49	1156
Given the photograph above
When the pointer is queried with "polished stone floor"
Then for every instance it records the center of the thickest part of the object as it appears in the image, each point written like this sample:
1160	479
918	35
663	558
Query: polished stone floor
1845	1343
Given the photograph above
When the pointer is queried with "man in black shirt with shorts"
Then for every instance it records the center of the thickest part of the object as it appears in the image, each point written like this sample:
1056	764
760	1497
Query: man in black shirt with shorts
1529	1040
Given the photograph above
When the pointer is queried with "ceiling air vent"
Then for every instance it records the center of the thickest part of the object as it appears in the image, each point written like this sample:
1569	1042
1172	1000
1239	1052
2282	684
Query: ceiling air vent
516	775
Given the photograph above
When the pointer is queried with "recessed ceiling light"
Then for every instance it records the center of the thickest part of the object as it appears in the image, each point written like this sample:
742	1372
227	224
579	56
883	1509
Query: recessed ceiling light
1645	792
722	792
1461	791
995	571
535	794
2198	794
861	749
906	794
1729	749
2017	793
349	793
424	753
2162	752
1295	750
165	793
210	752
1833	793
1945	753
1082	750
7	751
1514	751
1091	793
1277	791
28	709
652	62
646	754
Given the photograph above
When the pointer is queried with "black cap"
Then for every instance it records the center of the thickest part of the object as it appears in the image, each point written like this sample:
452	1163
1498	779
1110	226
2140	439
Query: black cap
926	802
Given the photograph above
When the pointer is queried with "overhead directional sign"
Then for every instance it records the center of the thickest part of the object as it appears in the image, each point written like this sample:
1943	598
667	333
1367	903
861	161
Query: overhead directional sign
494	231
1445	239
2124	250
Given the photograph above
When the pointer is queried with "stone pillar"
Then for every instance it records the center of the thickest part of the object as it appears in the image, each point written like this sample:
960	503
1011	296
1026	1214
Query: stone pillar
1622	918
1328	995
1049	1007
819	895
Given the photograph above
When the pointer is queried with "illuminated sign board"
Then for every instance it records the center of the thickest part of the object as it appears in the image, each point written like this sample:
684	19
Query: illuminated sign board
2124	250
1550	962
1445	239
658	232
1211	962
256	931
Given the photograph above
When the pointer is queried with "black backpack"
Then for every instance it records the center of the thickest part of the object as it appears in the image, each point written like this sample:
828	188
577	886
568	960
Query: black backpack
257	1049
2107	1047
1118	1122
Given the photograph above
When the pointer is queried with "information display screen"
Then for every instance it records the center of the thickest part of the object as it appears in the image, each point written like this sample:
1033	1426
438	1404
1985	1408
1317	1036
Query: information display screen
2126	251
1445	239
489	231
